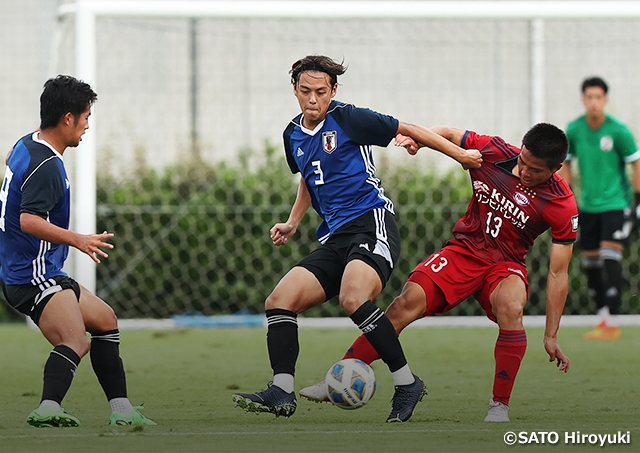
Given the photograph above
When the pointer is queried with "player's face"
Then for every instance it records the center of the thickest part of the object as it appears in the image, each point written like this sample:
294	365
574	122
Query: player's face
314	93
594	100
78	125
533	170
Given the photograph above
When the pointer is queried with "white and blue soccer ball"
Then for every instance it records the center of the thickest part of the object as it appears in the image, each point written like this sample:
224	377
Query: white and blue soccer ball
350	383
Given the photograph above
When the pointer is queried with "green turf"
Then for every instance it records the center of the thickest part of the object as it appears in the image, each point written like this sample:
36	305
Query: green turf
186	379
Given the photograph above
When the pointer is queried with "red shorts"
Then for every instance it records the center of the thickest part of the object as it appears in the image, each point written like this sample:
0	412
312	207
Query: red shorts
455	273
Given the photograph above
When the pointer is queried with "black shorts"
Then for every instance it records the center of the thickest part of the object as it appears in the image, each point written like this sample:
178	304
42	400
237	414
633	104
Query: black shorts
31	300
373	238
604	226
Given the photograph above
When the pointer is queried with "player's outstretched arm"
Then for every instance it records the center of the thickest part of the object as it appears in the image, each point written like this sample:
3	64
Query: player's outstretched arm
91	244
281	232
468	158
557	290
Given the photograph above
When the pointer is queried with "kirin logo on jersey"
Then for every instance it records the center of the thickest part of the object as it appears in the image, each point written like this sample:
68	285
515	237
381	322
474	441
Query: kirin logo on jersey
329	141
479	186
521	199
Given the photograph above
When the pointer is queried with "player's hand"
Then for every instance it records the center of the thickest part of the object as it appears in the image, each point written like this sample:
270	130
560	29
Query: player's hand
407	143
555	354
281	232
92	245
471	159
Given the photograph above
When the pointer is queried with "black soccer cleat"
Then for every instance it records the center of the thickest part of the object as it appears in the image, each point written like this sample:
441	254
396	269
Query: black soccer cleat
273	400
405	399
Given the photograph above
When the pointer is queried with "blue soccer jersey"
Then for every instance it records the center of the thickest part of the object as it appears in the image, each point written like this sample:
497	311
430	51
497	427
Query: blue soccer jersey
336	161
35	182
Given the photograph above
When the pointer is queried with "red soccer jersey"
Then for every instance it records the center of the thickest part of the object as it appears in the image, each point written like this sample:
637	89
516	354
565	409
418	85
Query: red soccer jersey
504	217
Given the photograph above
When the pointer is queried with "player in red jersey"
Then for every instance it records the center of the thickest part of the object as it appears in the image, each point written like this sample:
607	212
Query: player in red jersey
517	196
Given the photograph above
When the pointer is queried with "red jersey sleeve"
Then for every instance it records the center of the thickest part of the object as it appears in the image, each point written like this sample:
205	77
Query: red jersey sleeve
471	140
562	213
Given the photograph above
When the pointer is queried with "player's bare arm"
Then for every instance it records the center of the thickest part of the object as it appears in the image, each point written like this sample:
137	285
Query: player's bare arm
453	134
281	232
557	290
91	244
427	137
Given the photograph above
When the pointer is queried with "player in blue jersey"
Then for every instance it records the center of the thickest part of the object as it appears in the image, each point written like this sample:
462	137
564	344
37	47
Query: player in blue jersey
330	145
34	242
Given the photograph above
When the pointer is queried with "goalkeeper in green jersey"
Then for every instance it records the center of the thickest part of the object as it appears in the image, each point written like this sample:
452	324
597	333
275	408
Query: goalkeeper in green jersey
603	146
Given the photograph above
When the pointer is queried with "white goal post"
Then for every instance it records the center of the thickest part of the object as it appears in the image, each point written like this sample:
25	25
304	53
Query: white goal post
86	11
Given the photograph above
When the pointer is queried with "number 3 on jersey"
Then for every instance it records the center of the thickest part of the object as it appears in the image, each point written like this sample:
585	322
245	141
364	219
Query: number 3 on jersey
318	171
493	225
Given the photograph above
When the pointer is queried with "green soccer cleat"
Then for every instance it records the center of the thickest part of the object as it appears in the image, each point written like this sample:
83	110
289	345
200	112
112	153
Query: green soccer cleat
133	418
48	417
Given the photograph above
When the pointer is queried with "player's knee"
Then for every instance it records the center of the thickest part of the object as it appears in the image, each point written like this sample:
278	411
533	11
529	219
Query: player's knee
276	300
509	311
350	303
80	345
101	319
402	303
404	310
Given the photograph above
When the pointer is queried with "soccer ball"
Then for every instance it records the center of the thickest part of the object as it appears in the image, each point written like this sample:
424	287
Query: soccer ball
350	383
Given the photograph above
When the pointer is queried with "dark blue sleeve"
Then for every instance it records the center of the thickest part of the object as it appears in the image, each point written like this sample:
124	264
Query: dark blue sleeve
463	142
43	189
365	126
286	136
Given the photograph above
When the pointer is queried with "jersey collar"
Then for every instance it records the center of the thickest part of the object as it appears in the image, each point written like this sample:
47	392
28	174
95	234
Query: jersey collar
37	139
309	131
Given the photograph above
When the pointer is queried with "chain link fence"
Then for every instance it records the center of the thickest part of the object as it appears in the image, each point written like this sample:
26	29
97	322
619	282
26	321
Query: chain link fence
195	239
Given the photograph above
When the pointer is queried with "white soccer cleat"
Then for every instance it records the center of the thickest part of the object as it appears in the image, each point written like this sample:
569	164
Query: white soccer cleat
498	412
316	393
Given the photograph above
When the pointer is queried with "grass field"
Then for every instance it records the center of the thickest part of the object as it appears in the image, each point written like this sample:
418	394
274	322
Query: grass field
186	379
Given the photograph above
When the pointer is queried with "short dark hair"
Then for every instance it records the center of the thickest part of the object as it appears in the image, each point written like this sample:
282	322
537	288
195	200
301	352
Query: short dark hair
61	95
317	63
594	82
548	142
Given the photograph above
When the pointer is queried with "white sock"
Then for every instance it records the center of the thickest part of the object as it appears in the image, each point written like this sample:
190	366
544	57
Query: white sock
284	381
604	314
50	403
121	405
403	376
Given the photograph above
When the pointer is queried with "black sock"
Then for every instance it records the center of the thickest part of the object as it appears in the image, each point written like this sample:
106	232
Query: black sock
380	332
595	283
59	372
282	340
107	364
615	281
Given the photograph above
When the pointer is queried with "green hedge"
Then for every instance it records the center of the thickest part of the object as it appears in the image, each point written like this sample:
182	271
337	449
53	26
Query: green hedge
195	236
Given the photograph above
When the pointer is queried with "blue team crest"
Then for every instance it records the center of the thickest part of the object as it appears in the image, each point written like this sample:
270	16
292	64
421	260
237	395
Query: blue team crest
329	141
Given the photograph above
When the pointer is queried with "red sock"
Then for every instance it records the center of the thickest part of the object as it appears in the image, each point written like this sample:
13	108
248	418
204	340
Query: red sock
510	348
362	349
